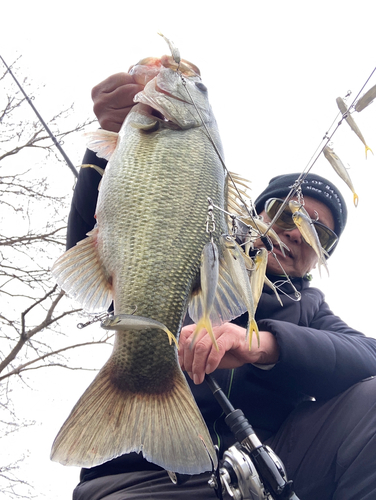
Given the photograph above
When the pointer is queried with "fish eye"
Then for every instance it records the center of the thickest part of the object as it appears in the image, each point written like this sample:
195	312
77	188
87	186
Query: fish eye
201	86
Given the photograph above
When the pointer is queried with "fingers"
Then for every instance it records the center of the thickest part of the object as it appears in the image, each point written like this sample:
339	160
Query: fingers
202	357
113	99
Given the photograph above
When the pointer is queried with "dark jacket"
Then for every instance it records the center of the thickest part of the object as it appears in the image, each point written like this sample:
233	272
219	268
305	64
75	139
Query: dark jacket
320	356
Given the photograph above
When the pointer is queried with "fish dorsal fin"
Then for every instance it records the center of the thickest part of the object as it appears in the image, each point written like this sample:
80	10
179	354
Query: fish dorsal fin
80	273
102	142
235	185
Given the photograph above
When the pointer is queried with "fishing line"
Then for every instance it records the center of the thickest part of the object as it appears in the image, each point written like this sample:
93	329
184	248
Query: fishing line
54	140
297	294
218	152
328	138
368	79
297	185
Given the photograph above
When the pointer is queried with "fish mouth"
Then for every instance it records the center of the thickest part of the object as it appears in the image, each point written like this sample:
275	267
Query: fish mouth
162	94
149	67
157	116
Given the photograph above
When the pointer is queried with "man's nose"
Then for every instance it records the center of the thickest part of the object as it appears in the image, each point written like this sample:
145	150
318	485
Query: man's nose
294	235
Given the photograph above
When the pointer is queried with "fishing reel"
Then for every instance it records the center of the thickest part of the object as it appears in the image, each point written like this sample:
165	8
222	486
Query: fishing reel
238	478
249	470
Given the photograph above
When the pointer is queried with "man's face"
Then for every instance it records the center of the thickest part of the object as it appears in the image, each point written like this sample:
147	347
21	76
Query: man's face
302	258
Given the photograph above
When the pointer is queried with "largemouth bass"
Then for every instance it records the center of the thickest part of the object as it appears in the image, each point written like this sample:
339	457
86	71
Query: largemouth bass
145	252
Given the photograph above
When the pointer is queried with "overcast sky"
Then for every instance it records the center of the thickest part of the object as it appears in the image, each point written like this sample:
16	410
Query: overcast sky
273	69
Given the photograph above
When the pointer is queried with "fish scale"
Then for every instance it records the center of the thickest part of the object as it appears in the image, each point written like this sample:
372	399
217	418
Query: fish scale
147	245
167	243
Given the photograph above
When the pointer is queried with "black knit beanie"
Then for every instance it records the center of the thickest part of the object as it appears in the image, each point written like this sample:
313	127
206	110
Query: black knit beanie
313	186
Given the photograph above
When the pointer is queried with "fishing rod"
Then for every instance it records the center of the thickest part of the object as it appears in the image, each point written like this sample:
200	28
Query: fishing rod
249	469
55	141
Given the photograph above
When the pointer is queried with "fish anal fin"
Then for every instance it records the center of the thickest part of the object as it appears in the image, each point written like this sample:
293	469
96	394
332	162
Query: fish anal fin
109	421
80	273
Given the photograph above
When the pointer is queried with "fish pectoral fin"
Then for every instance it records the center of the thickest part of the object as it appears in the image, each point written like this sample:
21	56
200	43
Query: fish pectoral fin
80	273
102	142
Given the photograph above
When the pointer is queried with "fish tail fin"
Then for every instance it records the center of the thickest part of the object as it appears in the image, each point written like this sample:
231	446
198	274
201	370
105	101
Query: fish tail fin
205	322
110	420
368	149
356	199
252	327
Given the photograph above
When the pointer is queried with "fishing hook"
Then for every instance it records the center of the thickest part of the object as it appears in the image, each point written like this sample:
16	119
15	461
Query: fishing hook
280	283
297	294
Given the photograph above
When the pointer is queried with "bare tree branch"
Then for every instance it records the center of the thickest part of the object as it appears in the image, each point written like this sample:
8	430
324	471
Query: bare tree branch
34	316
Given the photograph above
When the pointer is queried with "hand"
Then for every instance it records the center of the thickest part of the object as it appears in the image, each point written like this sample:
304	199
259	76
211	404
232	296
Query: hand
233	351
113	99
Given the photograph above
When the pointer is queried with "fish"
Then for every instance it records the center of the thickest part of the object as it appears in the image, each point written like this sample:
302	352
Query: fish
258	274
259	278
146	251
366	99
130	321
271	285
308	231
209	274
295	206
341	170
236	262
350	120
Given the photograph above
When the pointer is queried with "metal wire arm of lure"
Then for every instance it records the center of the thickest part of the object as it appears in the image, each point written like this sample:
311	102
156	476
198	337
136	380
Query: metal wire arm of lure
97	317
210	221
101	317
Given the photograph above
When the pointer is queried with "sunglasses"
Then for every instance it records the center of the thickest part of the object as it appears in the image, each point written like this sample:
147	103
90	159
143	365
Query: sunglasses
327	237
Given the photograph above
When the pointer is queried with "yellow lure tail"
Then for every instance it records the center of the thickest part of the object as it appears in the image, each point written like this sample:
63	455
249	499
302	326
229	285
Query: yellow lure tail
252	327
204	323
